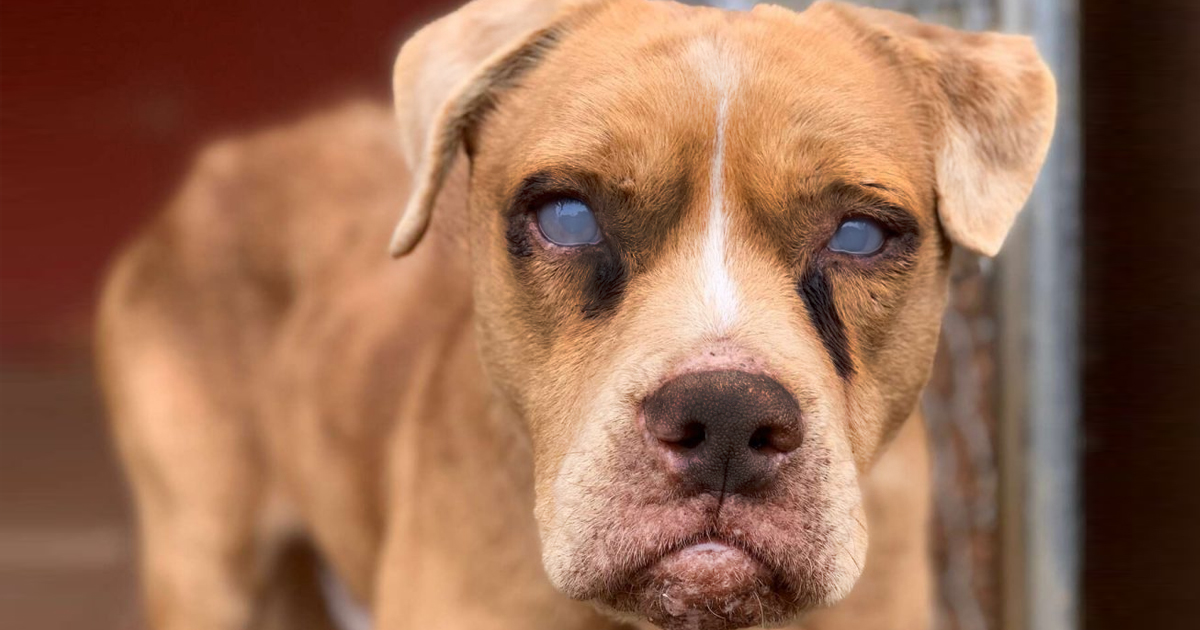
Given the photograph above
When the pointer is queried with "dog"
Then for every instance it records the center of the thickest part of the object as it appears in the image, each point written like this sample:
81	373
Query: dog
670	285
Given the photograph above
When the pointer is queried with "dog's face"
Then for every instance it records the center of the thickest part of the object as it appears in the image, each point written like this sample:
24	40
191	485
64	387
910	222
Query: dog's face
710	261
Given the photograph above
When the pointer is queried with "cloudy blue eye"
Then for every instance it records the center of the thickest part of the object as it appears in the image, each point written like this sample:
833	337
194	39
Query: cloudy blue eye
568	222
860	237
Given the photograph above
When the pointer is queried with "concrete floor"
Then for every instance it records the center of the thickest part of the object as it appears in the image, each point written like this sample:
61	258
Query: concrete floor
65	529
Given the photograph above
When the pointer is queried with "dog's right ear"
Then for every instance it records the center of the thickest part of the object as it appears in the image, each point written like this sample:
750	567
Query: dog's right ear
992	104
448	75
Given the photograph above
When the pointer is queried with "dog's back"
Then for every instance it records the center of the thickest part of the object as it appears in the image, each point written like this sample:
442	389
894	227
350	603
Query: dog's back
221	338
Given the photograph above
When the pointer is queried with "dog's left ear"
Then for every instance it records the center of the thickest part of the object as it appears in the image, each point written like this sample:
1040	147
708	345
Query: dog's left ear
992	102
449	74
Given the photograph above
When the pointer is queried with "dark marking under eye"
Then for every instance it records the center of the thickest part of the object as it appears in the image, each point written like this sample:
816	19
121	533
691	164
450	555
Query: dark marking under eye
607	283
817	292
608	272
517	235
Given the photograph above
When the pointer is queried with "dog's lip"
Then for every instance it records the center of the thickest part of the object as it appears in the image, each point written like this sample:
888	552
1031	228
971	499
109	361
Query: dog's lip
706	541
711	545
703	582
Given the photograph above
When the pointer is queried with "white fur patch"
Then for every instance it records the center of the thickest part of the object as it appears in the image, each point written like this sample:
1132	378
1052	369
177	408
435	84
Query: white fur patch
708	546
718	70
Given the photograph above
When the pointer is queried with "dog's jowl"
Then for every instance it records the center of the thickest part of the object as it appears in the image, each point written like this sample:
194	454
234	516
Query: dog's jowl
669	285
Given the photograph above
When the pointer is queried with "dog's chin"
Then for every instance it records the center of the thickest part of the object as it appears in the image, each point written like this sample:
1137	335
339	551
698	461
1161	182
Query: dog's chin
709	585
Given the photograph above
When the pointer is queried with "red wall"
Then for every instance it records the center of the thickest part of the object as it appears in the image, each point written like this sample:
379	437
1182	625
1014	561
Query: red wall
103	103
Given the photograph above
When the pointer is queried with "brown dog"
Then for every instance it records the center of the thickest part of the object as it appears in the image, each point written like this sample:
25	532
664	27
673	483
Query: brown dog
678	285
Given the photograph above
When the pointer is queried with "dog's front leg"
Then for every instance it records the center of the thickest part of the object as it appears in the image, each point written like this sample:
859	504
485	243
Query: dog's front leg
427	586
460	547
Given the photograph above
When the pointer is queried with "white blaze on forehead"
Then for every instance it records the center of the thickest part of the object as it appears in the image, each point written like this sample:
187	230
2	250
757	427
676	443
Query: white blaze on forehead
718	71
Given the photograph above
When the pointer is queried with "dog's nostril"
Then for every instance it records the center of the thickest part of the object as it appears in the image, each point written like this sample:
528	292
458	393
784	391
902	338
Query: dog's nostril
693	435
760	440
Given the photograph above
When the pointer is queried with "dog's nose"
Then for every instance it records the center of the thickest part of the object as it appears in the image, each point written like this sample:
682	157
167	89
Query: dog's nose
724	431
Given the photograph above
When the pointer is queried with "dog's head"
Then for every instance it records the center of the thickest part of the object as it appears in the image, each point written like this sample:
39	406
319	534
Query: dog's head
710	256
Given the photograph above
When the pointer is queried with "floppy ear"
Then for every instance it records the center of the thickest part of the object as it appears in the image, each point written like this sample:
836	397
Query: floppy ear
992	102
448	74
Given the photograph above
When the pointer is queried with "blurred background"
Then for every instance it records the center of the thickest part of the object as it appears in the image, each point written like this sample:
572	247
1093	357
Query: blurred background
1067	443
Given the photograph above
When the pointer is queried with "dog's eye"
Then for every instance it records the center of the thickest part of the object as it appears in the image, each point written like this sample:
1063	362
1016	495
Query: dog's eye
860	237
568	222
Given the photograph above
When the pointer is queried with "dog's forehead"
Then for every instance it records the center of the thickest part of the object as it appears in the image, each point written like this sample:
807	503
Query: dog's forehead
799	96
